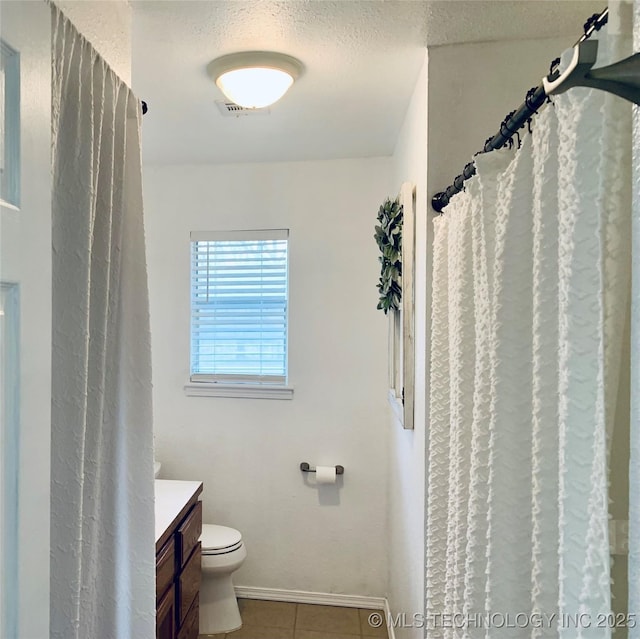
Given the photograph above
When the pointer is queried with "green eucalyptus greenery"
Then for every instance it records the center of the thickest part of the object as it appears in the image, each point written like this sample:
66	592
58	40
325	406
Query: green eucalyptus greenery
388	237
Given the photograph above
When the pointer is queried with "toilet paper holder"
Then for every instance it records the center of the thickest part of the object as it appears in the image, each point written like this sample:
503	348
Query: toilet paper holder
305	468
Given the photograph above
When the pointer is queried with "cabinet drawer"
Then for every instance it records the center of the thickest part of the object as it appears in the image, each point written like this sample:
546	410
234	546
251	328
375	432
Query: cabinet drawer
189	533
165	567
191	623
165	616
189	584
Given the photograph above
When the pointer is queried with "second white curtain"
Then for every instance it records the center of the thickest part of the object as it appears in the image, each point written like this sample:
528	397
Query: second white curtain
634	466
530	289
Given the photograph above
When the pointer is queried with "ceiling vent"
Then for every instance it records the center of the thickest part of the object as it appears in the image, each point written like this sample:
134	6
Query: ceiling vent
229	109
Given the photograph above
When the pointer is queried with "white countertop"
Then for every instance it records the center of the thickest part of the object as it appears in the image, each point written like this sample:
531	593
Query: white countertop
171	496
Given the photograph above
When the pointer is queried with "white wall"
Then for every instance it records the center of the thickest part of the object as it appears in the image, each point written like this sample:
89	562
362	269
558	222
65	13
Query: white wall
472	87
407	447
248	451
107	25
25	251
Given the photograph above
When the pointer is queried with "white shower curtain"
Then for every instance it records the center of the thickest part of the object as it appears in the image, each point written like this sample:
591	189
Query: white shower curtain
102	510
530	289
634	467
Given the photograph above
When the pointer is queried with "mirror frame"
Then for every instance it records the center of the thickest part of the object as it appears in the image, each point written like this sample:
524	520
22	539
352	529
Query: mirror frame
402	323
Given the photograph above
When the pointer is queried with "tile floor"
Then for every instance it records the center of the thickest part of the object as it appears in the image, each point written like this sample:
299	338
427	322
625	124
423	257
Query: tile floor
283	620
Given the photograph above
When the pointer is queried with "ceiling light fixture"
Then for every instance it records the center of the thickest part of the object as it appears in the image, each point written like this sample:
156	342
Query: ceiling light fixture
255	79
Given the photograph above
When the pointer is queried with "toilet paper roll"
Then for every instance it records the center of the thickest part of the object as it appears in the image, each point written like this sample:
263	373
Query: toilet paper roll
325	474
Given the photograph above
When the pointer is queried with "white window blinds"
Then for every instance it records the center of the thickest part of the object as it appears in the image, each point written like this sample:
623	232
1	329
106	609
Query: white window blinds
239	294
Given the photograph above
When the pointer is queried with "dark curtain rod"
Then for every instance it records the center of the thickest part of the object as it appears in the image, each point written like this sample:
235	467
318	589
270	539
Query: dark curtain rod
515	120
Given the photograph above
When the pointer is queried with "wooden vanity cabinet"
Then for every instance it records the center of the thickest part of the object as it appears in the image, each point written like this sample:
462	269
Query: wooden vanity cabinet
178	570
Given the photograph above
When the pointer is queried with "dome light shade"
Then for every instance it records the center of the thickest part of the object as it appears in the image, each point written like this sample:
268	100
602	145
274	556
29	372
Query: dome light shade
255	79
254	88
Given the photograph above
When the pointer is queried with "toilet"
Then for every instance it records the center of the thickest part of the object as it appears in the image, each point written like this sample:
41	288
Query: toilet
223	552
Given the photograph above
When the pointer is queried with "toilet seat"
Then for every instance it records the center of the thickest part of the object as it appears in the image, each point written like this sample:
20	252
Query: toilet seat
219	540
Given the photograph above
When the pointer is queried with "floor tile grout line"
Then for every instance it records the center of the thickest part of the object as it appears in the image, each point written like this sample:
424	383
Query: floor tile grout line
295	629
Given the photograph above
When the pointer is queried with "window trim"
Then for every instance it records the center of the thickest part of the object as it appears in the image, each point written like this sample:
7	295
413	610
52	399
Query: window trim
249	391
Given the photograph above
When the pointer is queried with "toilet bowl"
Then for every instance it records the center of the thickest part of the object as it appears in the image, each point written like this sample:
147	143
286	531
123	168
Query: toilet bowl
223	552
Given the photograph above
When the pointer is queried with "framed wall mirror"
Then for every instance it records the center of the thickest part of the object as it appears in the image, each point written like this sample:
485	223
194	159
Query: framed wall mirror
401	321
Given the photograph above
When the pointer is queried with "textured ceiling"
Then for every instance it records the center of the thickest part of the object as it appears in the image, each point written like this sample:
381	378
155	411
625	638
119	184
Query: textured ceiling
361	57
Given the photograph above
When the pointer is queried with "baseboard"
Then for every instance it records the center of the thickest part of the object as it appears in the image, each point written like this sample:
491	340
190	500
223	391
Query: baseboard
322	598
387	615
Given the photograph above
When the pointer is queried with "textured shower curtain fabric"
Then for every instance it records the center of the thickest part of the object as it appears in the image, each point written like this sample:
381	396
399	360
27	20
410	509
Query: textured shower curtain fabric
102	509
531	275
634	466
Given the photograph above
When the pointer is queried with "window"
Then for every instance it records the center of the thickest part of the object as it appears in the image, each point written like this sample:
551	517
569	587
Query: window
239	304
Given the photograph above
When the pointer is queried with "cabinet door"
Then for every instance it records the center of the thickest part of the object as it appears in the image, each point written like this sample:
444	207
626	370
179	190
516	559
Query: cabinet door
189	584
189	629
166	615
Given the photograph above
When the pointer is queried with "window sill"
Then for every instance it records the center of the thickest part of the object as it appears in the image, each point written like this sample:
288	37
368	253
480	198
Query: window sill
250	391
7	205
